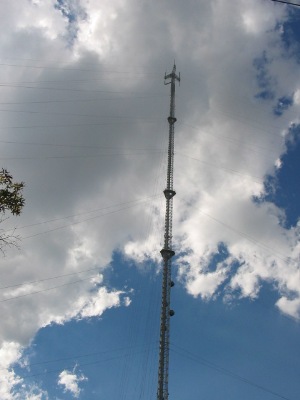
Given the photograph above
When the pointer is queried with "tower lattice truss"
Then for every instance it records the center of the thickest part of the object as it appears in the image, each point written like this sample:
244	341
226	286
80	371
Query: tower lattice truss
167	252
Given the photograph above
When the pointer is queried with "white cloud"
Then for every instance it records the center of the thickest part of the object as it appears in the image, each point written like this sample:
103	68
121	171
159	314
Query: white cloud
278	163
12	386
97	304
9	354
290	307
70	382
231	136
297	96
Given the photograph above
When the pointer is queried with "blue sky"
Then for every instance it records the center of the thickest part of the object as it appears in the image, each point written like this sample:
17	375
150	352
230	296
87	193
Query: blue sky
214	347
83	123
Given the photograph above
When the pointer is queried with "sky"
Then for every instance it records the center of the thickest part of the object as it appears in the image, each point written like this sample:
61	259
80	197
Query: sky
83	122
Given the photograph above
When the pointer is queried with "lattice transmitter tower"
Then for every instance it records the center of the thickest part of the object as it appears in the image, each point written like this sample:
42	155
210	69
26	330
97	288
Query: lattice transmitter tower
167	252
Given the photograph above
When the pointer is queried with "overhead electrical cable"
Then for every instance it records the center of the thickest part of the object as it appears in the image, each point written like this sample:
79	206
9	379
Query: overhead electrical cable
144	310
148	363
93	64
80	365
36	281
86	212
248	237
37	81
80	156
65	89
238	141
174	348
118	120
252	105
82	146
76	356
253	124
184	353
229	170
97	116
64	113
77	272
286	2
258	243
124	97
98	70
45	290
85	220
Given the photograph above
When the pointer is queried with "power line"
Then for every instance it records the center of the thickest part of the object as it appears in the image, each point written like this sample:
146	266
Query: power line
85	212
77	69
252	147
80	156
229	170
83	146
85	220
90	211
85	63
64	113
62	80
63	89
119	120
76	356
286	2
245	120
81	365
59	219
182	352
124	97
44	290
47	279
249	238
240	233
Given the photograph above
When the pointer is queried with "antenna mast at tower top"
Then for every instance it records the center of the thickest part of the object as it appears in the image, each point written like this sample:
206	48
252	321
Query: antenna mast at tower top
167	252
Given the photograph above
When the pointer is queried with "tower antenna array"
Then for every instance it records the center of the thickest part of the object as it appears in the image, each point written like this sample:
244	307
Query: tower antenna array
167	252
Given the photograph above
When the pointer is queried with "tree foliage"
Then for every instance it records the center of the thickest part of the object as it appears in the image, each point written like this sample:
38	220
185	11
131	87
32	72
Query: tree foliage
11	200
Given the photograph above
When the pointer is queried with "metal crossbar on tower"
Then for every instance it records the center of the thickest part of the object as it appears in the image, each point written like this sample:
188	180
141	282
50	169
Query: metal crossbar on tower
167	252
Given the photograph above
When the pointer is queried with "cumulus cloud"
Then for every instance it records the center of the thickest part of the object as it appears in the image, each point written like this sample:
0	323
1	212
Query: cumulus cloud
9	354
12	386
289	306
85	128
70	382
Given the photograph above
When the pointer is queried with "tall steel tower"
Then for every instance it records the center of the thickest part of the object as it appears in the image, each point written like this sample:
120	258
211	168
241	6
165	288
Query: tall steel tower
167	253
